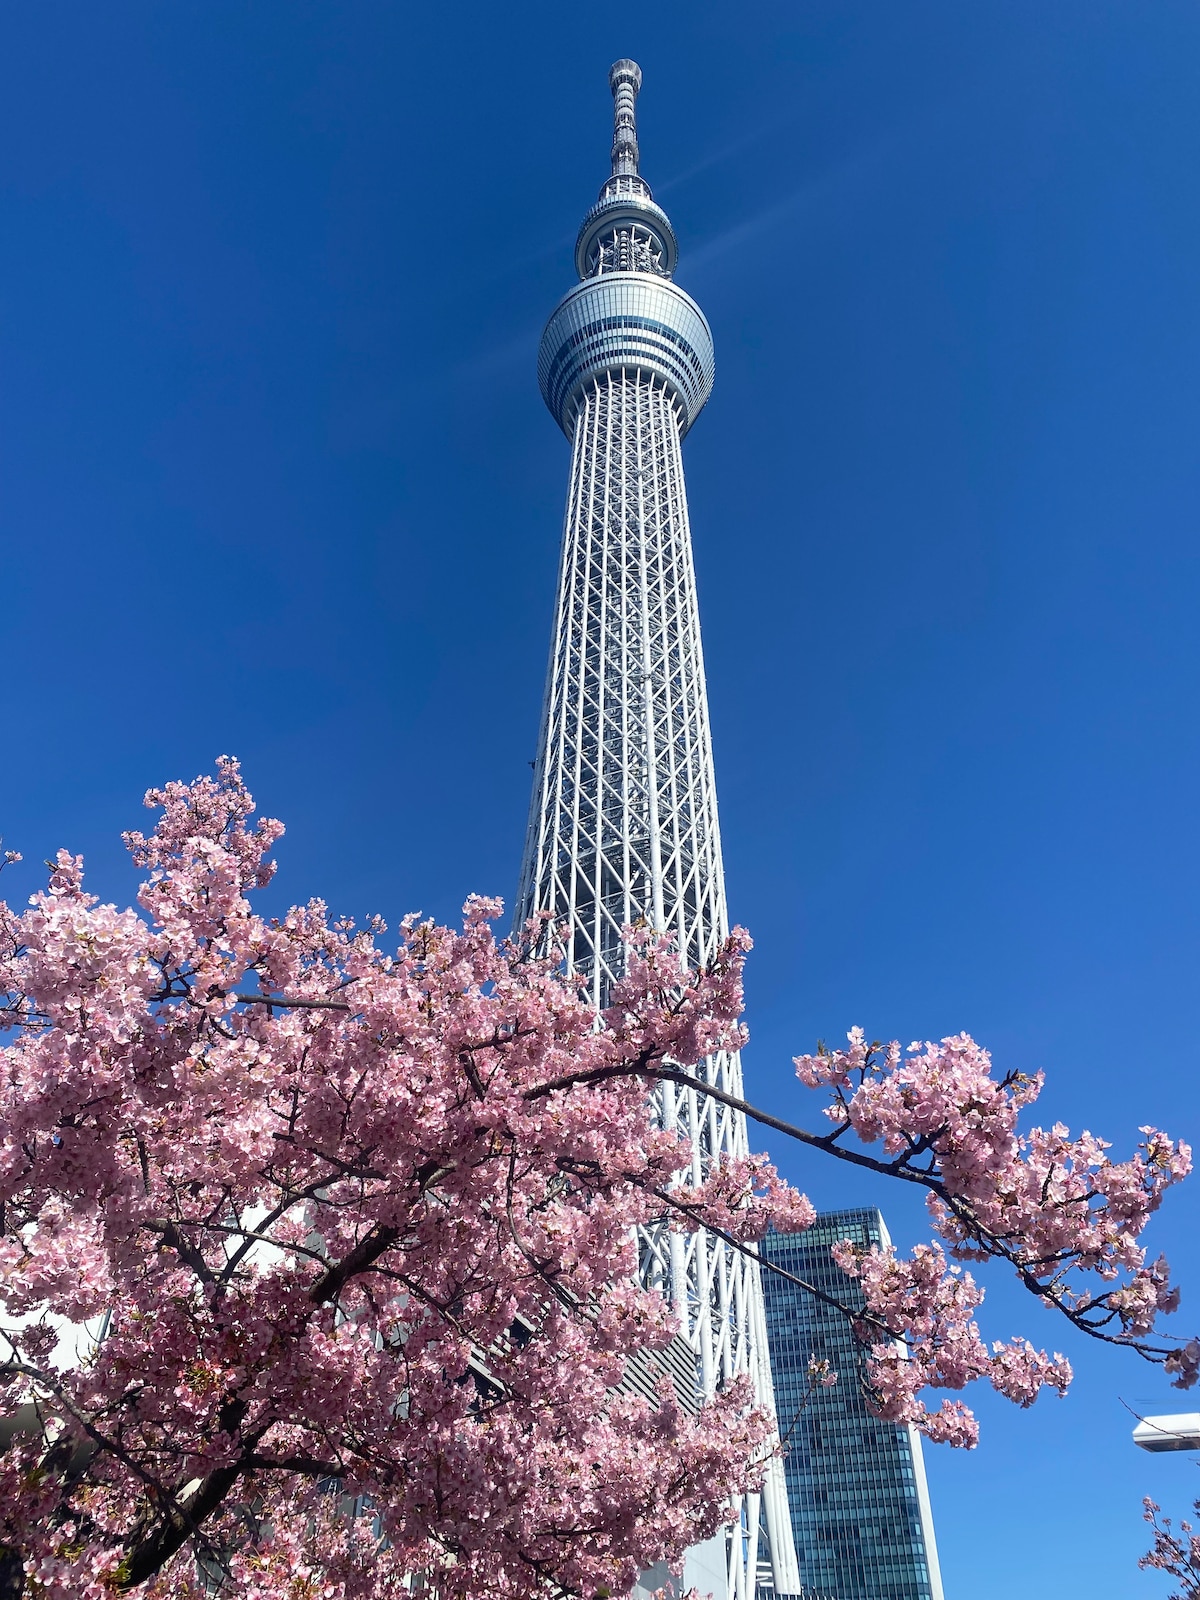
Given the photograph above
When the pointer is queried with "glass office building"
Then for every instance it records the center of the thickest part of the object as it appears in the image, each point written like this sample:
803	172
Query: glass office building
856	1485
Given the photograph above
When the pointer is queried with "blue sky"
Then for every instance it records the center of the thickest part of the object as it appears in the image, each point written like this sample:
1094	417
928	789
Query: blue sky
277	481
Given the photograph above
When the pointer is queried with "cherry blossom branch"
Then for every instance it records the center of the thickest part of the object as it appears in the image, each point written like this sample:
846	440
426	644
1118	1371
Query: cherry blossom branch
927	1177
698	1219
151	1553
180	1512
289	1002
820	1375
1177	1553
654	1071
377	1242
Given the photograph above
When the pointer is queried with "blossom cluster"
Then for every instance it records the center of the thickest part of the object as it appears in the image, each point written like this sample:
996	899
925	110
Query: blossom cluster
1058	1209
921	1333
326	1240
317	1261
1176	1551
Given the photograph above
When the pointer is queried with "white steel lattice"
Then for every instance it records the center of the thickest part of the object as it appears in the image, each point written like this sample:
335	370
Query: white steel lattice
623	828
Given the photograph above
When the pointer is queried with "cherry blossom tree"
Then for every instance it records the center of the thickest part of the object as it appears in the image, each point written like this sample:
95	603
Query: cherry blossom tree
1176	1551
316	1256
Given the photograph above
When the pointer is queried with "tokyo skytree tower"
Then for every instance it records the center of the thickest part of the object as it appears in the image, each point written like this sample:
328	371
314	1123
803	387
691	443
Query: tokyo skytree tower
623	822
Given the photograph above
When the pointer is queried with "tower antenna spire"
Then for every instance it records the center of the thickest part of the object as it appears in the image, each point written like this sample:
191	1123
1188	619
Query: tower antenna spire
625	79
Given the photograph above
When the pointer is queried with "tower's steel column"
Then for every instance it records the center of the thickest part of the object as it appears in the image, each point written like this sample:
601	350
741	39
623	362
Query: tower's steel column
623	824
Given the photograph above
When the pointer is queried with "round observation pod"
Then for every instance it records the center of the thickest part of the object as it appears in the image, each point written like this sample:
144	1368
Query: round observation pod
626	321
625	207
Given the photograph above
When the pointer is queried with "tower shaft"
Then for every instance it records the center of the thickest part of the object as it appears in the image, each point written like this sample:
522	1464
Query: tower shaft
623	824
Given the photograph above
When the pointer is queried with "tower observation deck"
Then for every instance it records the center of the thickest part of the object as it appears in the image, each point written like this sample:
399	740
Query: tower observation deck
623	822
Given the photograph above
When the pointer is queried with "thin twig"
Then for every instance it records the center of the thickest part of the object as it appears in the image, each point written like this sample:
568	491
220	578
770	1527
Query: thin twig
285	1001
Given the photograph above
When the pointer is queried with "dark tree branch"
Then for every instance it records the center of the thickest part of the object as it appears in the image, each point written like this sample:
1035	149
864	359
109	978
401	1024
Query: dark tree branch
825	1142
285	1002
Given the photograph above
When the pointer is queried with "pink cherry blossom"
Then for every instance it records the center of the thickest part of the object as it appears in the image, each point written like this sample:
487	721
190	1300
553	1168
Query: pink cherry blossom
820	1372
317	1260
1176	1551
334	1240
1058	1209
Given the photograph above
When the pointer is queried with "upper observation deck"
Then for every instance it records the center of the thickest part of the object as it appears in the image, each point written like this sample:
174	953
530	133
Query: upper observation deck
626	315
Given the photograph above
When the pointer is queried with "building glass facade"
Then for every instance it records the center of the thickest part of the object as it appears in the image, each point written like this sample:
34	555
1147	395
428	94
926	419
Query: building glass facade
856	1485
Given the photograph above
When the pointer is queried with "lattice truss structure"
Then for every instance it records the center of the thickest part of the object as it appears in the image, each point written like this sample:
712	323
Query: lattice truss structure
624	826
625	822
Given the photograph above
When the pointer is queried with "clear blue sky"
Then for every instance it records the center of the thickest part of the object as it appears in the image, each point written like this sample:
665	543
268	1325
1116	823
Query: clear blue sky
277	481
